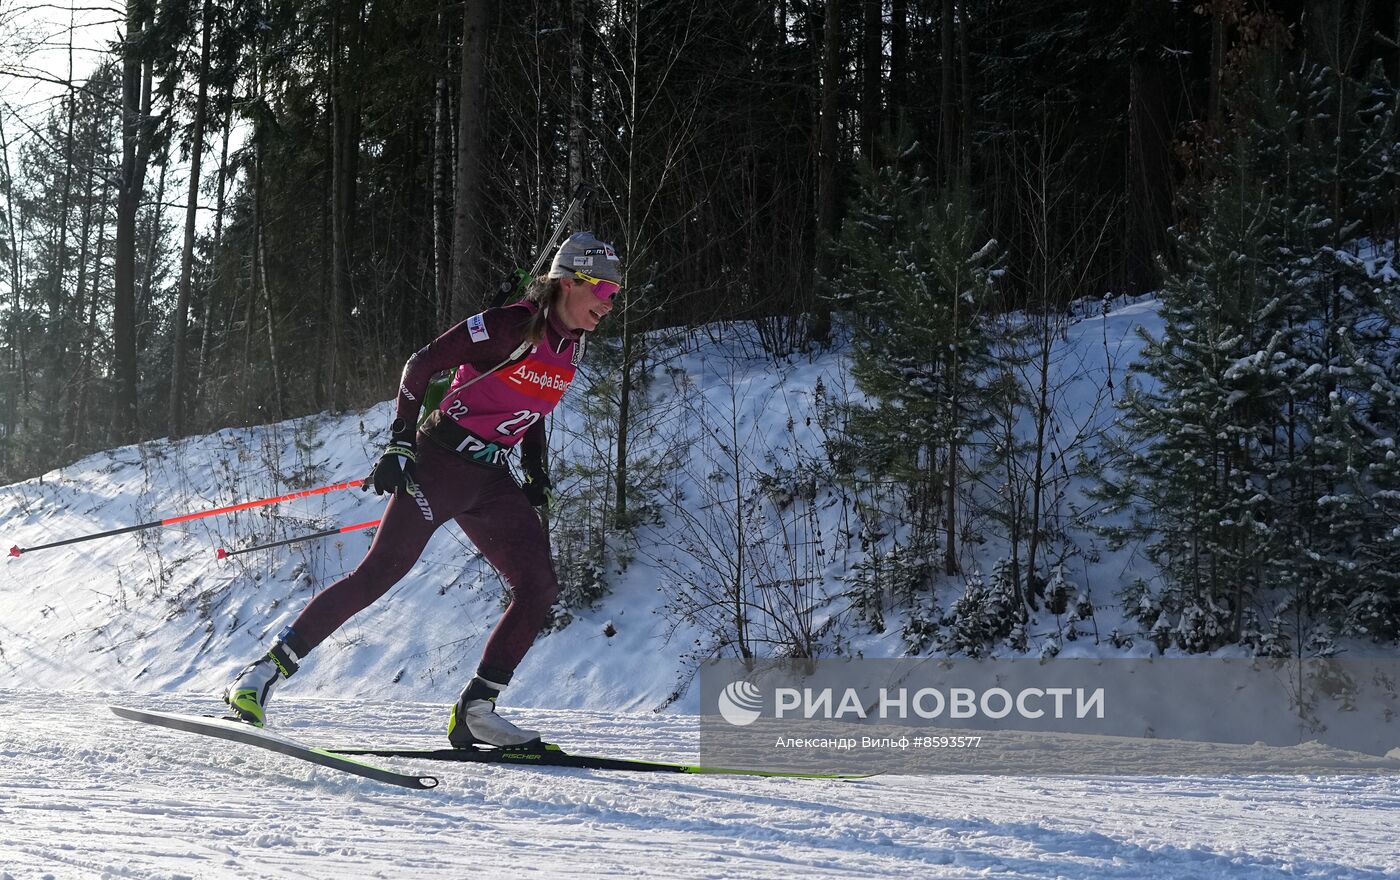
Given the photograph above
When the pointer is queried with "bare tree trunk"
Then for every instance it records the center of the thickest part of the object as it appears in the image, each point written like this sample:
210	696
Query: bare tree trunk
328	346
624	416
1043	411
335	306
947	135
965	117
246	391
206	337
624	407
898	91
345	151
1149	138
260	281
829	133
136	143
442	171
1395	59
85	237
736	446
471	149
86	366
69	428
54	336
828	142
872	45
179	322
950	558
950	513
1217	67
578	87
18	361
153	239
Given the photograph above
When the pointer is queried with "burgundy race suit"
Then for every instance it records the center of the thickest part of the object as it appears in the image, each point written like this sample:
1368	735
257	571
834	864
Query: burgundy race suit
462	476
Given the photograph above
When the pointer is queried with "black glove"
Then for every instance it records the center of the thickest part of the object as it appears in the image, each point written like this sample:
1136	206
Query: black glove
539	491
396	470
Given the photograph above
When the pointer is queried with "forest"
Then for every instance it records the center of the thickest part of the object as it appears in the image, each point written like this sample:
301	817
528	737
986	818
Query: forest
251	210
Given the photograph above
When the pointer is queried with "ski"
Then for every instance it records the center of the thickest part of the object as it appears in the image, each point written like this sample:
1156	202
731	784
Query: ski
550	755
240	732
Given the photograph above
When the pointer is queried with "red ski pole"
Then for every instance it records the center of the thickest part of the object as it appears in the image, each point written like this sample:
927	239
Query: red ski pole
170	521
221	553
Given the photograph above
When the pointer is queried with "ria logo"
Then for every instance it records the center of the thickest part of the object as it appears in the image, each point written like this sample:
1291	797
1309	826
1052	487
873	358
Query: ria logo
740	703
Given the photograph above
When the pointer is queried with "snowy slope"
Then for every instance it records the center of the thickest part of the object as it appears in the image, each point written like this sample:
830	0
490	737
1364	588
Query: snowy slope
155	611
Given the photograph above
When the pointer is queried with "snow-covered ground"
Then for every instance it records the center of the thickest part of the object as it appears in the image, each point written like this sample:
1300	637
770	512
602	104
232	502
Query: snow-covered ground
86	794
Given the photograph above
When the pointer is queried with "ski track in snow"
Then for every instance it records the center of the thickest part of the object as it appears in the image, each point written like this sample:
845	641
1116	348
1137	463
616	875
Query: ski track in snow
84	793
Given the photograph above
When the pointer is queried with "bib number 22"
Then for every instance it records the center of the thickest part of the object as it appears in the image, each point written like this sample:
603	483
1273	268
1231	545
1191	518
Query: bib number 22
519	424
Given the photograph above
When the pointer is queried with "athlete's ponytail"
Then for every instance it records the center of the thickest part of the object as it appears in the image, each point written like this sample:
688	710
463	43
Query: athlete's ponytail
544	293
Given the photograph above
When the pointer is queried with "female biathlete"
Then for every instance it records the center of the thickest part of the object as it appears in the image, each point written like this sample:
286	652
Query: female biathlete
513	365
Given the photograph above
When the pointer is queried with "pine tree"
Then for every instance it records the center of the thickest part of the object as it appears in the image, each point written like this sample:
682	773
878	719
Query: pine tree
1199	424
868	588
1255	450
914	282
988	614
1350	149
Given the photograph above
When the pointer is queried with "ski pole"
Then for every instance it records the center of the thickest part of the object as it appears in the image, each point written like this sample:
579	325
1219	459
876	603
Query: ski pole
170	521
511	284
221	553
